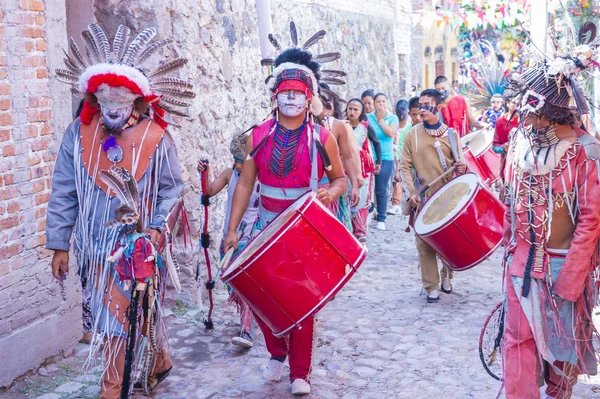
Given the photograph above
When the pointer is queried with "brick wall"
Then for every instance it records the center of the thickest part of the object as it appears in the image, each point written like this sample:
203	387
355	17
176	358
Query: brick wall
28	294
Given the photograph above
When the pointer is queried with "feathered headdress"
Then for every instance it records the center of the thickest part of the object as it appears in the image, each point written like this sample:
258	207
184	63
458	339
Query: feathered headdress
490	79
114	74
298	64
554	79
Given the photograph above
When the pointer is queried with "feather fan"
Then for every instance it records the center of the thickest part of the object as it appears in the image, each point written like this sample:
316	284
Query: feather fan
313	39
168	67
327	57
102	43
153	48
138	45
120	42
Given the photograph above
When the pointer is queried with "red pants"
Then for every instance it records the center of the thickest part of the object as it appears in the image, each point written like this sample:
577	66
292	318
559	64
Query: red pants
522	362
298	345
359	222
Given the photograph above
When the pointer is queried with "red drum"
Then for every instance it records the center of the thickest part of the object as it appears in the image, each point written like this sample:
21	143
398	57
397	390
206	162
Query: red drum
480	156
462	222
295	265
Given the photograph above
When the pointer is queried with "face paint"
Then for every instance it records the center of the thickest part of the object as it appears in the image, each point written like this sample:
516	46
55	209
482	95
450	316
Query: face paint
429	108
445	94
291	104
114	117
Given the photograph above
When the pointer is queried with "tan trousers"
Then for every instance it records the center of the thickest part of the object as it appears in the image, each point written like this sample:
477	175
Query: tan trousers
429	267
111	382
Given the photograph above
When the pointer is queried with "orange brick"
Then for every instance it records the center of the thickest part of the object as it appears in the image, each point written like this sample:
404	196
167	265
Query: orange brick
48	156
44	101
40	20
2	60
1	16
34	159
9	222
34	61
11	250
38	186
40	45
2	73
9	193
13	207
5	119
4	89
8	151
34	102
41	73
4	104
36	5
9	179
28	32
40	213
41	198
32	131
29	46
25	19
41	225
41	144
4	135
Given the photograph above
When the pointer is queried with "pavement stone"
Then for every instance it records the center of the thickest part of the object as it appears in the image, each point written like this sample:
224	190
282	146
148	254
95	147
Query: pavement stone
378	339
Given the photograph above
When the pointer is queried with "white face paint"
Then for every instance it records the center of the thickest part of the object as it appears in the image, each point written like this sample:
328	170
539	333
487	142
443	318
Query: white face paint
291	103
115	116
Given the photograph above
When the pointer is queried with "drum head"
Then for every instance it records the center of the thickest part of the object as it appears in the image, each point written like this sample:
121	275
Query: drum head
478	141
267	234
446	203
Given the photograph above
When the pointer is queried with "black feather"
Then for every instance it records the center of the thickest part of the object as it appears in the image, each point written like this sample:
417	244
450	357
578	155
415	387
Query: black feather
294	33
323	153
314	39
274	42
587	33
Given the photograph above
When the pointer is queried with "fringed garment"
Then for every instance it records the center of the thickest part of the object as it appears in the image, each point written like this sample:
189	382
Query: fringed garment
80	206
556	289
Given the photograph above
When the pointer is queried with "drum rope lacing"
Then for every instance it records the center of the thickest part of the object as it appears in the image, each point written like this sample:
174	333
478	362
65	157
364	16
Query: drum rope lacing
205	244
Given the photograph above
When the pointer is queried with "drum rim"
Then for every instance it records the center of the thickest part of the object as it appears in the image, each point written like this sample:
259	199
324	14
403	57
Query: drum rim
472	265
477	188
487	147
227	275
334	291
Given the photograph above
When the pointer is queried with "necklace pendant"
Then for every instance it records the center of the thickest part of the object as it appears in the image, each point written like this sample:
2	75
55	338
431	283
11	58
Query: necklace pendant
115	154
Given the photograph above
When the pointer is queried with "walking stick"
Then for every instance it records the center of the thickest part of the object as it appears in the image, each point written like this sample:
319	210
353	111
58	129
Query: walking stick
205	244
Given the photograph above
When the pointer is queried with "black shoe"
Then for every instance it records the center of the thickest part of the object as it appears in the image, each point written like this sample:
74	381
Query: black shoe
433	297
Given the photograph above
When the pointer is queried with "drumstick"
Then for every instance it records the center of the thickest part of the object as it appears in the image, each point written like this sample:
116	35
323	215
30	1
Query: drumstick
227	258
437	179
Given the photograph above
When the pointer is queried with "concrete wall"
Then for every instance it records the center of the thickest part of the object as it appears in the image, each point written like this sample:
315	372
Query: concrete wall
38	317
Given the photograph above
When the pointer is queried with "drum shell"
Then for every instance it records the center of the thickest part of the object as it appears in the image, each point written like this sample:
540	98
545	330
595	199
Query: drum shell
472	235
300	269
486	164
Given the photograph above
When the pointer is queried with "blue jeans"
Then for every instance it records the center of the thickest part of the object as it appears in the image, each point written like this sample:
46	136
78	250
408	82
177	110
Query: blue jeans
382	184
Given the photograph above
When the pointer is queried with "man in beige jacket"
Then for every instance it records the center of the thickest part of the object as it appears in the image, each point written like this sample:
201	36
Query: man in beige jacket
430	149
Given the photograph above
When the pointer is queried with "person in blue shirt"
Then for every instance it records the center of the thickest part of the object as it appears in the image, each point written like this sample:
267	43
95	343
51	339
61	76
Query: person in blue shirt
385	125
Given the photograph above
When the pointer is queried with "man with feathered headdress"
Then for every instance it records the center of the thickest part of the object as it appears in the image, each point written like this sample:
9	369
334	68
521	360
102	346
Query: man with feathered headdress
118	147
289	154
552	228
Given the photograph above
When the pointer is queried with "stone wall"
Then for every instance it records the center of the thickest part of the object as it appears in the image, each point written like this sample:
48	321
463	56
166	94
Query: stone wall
38	317
221	41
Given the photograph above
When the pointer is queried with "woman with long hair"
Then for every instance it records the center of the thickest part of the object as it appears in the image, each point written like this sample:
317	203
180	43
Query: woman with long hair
355	110
385	125
404	125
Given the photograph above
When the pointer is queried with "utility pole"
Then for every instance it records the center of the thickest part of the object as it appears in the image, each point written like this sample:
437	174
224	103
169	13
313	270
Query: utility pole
265	27
538	24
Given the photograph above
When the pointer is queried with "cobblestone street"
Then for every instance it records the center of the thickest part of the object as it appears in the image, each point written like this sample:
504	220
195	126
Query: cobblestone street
377	339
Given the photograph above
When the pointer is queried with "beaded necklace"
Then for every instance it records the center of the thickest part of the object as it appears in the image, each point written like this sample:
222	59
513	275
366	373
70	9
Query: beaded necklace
436	130
286	153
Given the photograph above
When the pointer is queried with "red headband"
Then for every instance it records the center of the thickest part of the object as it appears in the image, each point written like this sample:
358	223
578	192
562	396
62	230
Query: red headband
294	85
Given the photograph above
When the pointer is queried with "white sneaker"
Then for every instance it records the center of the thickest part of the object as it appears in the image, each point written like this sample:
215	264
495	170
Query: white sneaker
394	210
380	226
244	340
300	387
273	370
447	286
433	296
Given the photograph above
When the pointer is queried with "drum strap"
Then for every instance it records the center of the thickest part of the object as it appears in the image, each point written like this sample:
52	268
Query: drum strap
314	175
453	138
